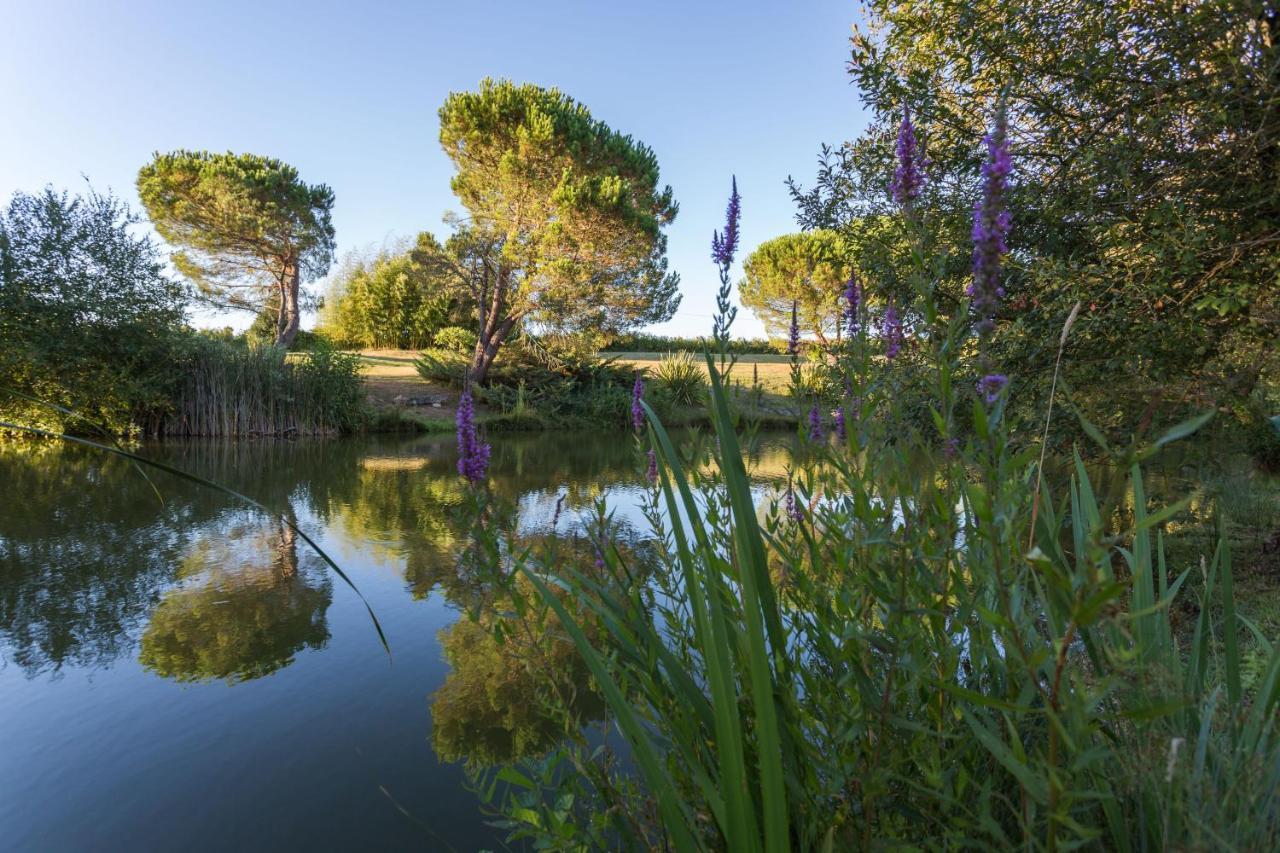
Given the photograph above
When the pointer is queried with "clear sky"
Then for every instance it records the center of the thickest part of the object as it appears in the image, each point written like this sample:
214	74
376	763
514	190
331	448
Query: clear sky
348	93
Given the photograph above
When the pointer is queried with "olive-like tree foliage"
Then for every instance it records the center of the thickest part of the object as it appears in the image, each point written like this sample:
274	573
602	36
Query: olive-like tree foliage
249	230
565	217
808	270
86	312
398	297
1146	140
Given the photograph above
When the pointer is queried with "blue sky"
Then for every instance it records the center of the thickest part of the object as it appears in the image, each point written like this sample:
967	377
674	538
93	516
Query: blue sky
348	93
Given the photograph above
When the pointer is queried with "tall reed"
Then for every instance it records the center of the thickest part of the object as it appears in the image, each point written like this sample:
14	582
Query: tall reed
235	391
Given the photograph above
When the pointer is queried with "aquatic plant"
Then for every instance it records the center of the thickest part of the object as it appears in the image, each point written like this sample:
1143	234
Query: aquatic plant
473	454
908	177
724	245
991	222
637	395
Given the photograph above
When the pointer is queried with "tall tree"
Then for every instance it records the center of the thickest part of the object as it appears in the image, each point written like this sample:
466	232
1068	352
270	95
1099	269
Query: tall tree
807	269
565	217
1146	143
249	230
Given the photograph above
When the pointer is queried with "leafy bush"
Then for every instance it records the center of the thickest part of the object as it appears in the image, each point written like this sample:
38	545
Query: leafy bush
456	339
682	375
398	298
442	366
87	315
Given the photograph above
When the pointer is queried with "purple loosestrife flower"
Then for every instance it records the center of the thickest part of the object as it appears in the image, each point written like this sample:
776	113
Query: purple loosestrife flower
991	223
815	424
908	179
891	331
793	510
637	411
793	336
991	385
652	474
725	245
842	432
852	301
473	456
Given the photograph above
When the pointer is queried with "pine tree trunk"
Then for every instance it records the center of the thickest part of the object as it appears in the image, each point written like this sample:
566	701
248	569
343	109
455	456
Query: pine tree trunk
290	315
487	347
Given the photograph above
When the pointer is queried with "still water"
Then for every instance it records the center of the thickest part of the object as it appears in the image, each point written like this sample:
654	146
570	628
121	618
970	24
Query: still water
178	671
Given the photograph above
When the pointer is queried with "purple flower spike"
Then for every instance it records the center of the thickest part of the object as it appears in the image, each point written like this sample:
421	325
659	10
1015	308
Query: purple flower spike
725	245
815	424
652	474
991	222
908	178
637	411
793	510
473	456
842	431
991	385
852	302
891	331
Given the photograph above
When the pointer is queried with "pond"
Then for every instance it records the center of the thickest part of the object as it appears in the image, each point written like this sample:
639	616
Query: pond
180	671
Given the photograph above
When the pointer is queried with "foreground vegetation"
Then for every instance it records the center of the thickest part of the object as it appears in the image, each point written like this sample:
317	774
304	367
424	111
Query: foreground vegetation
929	637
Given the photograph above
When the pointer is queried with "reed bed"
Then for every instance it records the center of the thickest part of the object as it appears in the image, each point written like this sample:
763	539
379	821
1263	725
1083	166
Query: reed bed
229	391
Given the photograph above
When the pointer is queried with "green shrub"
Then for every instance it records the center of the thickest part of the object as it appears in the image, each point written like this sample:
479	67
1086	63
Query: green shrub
682	375
398	298
456	339
87	316
442	366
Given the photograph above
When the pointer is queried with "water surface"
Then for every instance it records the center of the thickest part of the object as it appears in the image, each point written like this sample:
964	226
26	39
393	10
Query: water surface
179	671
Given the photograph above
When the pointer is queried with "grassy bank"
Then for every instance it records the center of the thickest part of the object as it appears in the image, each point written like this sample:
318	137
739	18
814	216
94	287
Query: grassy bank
403	400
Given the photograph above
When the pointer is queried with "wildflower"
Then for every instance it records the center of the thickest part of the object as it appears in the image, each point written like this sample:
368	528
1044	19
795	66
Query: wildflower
852	301
907	176
793	337
792	508
891	331
951	448
473	456
842	432
637	411
991	223
725	246
652	473
815	424
991	385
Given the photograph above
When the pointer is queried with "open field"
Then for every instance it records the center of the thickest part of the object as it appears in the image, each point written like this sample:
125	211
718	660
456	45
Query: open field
773	370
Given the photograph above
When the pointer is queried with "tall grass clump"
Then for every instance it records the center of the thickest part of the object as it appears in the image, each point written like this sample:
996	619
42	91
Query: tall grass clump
681	374
917	643
229	390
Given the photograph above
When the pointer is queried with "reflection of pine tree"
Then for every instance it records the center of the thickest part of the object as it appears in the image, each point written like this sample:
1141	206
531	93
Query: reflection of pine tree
241	619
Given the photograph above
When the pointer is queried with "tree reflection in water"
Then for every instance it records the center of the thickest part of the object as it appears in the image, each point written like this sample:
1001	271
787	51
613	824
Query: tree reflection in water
93	567
244	608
